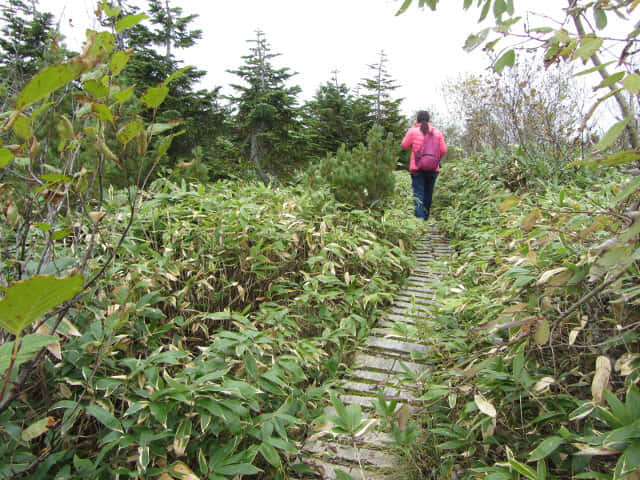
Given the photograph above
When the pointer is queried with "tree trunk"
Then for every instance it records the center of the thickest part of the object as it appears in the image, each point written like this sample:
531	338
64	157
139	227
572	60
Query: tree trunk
256	154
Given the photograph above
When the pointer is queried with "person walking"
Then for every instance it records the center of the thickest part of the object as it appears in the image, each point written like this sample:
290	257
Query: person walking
427	148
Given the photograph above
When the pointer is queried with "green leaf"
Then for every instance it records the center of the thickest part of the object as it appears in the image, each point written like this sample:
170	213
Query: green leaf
35	430
165	144
588	47
499	7
475	39
404	7
130	21
45	83
612	134
629	461
611	80
124	96
119	60
154	96
518	365
157	128
175	75
507	59
541	473
593	69
60	234
546	448
237	469
105	417
27	300
5	157
632	83
601	17
485	10
523	469
30	344
340	475
95	88
130	131
22	127
270	454
102	112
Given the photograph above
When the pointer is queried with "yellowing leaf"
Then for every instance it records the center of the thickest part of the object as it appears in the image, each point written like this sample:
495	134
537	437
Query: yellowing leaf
542	332
36	429
485	406
601	378
181	471
544	278
403	416
623	364
543	385
531	219
509	203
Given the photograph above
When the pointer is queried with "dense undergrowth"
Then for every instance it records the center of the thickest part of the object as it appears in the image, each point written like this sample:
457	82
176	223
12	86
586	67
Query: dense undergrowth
536	342
213	339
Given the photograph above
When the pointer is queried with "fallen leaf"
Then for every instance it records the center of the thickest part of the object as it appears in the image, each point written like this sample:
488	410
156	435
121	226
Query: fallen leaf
485	406
601	378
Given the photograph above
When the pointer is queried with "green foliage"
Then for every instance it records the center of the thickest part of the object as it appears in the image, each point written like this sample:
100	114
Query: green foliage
378	93
266	113
537	334
336	117
363	177
211	343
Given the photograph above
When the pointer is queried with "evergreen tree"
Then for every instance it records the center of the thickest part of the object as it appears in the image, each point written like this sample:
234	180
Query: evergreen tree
24	44
378	92
336	117
155	42
266	113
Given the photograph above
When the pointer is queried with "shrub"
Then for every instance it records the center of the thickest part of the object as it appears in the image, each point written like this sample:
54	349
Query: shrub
363	177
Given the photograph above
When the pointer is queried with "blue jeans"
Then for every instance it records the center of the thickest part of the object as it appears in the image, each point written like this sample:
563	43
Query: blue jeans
423	183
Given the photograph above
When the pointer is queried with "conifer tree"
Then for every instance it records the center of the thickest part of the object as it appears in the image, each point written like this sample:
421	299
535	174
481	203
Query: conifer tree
266	112
378	92
24	43
156	41
337	117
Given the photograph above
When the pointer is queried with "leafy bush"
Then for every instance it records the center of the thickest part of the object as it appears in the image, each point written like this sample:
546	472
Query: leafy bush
537	336
363	177
211	343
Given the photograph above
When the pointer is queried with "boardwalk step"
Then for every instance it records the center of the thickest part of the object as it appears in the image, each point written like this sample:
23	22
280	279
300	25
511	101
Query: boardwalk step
381	365
387	364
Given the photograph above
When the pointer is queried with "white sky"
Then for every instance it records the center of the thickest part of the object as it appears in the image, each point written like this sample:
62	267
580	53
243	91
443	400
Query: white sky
316	37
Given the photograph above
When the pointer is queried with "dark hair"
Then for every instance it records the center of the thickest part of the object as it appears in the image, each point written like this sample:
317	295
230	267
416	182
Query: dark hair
423	118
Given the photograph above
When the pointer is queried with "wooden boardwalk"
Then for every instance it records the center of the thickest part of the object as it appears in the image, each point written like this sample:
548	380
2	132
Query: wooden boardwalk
391	348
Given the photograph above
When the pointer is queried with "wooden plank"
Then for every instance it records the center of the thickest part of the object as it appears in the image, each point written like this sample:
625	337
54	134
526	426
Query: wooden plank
367	456
372	389
327	471
394	335
387	364
396	345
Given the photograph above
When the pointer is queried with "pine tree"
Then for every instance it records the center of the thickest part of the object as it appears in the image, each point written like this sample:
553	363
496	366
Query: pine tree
336	117
155	42
24	44
266	112
378	90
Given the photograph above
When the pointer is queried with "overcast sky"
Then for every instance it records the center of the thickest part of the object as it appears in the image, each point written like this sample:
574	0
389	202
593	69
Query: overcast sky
315	38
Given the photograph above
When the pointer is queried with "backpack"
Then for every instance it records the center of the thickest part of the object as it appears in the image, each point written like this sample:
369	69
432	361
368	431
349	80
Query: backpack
427	157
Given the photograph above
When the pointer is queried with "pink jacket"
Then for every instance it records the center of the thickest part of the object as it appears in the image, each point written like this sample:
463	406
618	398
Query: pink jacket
413	140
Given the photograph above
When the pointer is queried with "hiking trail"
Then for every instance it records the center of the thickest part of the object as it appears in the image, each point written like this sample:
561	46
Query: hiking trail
379	364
